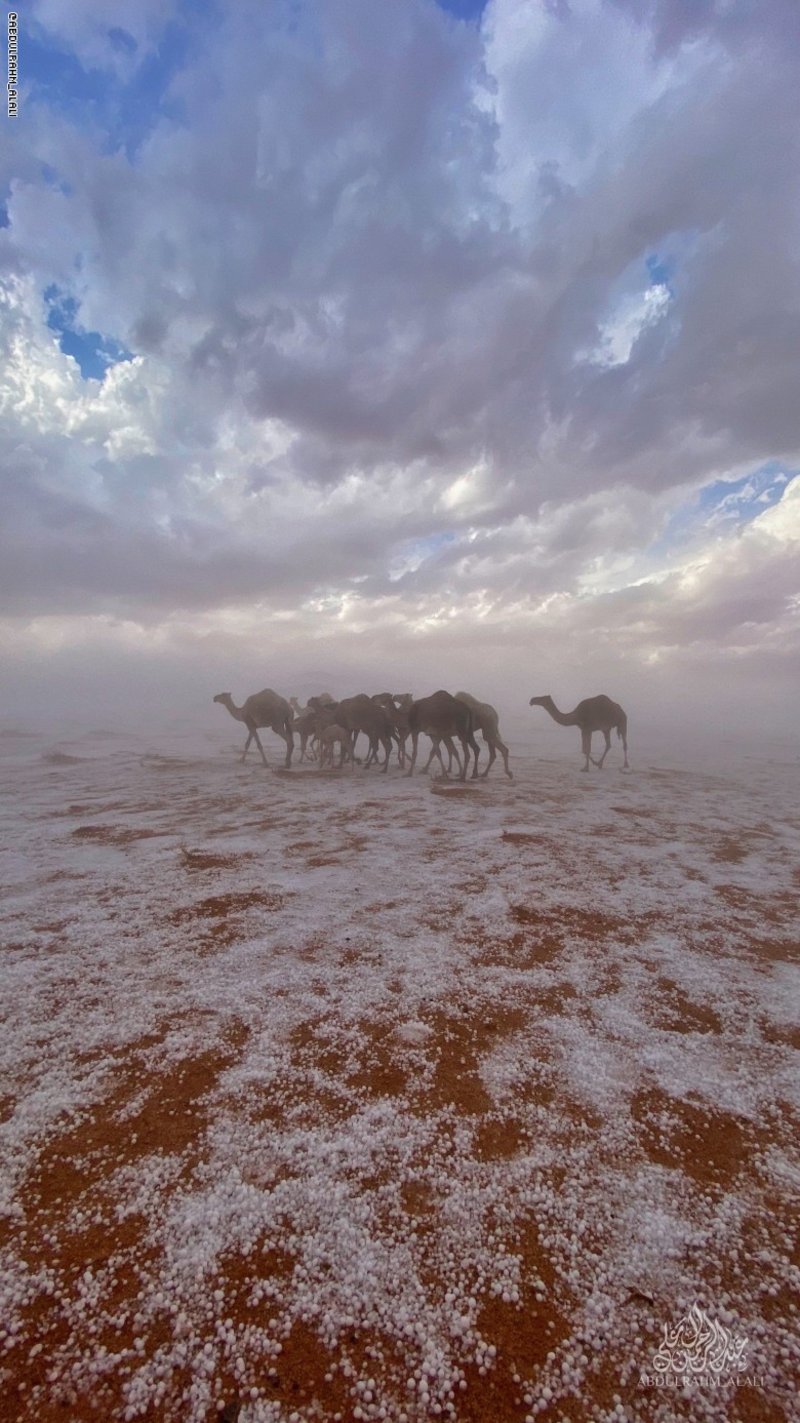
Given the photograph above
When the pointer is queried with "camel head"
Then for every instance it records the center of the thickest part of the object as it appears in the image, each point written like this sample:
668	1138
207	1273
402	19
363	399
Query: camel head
539	701
223	697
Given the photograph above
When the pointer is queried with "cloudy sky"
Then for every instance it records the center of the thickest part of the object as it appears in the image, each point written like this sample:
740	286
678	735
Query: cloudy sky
403	344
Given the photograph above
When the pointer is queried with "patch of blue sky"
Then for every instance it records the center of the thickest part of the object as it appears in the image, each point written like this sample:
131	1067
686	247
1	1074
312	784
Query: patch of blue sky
93	352
434	542
660	270
464	9
122	106
638	299
52	179
411	555
726	504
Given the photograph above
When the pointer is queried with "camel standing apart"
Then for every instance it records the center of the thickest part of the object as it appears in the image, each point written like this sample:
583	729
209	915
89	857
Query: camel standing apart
593	714
487	722
441	718
263	709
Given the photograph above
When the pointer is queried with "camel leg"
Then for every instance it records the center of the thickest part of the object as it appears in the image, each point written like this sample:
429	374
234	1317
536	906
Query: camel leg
254	736
504	753
435	751
586	748
625	765
599	764
414	745
288	737
492	757
386	743
477	750
452	755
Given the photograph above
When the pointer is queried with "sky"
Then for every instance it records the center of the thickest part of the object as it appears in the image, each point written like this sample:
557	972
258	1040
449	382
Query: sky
355	346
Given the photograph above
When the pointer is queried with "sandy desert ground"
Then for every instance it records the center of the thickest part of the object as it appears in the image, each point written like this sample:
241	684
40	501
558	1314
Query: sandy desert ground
348	1096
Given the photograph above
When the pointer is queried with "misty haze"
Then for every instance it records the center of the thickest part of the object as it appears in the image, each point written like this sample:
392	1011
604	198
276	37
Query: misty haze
399	440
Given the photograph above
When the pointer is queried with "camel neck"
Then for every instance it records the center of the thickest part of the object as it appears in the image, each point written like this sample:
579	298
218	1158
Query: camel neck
563	718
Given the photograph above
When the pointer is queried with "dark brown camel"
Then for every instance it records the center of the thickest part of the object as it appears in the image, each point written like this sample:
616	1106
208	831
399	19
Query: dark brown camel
593	714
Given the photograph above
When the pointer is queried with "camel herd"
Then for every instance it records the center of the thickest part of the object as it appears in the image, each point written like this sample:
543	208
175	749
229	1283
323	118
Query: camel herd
390	720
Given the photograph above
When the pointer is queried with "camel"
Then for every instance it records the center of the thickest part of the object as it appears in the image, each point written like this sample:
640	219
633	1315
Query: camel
593	714
360	713
306	727
357	714
328	739
397	710
486	721
323	698
441	718
263	709
308	722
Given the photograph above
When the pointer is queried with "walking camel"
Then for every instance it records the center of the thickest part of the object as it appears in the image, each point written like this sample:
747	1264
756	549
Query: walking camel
263	709
487	722
593	714
354	715
396	708
402	702
441	718
332	736
305	722
305	726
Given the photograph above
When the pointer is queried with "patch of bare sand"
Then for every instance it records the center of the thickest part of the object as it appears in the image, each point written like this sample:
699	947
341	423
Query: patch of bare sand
116	835
675	1012
712	1147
